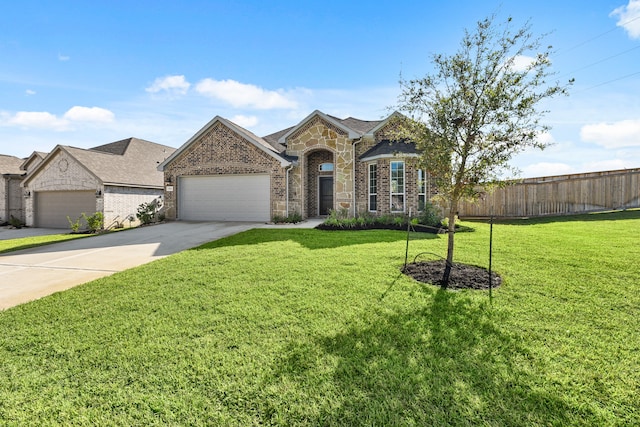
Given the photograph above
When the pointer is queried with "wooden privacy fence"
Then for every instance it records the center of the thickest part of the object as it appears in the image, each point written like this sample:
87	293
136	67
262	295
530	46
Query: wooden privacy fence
560	195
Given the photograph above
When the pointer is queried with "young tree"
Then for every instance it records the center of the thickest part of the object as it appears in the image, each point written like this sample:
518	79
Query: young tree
477	110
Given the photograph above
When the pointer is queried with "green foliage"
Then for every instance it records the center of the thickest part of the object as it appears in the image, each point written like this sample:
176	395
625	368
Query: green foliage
477	110
148	212
430	216
75	224
302	327
341	219
15	222
95	222
293	218
10	245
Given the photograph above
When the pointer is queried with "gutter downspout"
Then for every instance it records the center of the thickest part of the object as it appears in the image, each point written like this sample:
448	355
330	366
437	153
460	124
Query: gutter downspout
287	169
353	177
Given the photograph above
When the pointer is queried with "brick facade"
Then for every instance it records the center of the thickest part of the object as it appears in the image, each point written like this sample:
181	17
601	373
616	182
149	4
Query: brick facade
11	198
226	149
222	151
61	173
119	203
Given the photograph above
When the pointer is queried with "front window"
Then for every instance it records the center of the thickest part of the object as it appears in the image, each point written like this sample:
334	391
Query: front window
422	186
373	187
397	186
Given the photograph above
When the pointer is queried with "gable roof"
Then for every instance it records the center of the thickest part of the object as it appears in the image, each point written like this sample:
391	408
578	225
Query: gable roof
250	137
129	162
10	165
35	156
354	128
361	126
393	116
387	148
317	113
275	137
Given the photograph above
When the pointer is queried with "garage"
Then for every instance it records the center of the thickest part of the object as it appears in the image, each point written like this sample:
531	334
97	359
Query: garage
224	198
53	207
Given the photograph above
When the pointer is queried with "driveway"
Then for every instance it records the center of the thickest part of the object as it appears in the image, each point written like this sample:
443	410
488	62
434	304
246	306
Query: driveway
33	273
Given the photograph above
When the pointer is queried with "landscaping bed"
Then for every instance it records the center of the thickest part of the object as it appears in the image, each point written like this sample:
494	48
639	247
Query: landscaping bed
416	227
463	276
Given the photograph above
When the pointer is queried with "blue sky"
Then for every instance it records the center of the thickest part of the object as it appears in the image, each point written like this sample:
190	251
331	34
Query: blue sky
88	73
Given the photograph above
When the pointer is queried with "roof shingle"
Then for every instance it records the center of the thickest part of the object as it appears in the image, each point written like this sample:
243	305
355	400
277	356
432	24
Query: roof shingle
10	165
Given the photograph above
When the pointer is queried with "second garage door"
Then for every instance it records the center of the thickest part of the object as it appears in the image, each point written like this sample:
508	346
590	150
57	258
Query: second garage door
53	207
224	198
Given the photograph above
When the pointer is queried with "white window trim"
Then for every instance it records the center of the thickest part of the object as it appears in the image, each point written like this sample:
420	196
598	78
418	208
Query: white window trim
424	187
369	193
404	187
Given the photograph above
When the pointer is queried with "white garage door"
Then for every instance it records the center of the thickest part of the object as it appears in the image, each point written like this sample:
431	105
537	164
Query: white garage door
224	198
53	207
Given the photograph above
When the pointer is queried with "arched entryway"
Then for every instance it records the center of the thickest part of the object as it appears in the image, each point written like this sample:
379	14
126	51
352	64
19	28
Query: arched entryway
320	165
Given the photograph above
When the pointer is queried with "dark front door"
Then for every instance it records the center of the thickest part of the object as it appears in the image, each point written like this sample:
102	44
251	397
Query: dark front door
326	194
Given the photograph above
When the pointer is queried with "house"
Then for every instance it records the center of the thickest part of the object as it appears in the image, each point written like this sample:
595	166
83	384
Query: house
10	192
323	163
30	163
113	179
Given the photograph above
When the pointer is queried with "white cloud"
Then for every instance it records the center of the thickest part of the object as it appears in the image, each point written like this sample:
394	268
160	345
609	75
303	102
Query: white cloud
63	57
546	138
625	133
521	62
608	165
245	121
89	114
37	119
629	18
175	85
46	120
546	169
30	92
241	95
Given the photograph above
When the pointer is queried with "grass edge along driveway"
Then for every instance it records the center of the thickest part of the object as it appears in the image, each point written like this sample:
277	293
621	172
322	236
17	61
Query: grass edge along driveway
305	327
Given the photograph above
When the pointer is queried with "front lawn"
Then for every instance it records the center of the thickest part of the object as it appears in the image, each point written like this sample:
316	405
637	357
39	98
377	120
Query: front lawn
311	327
10	245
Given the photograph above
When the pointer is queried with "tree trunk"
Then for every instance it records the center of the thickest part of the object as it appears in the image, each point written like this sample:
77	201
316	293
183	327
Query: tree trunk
451	229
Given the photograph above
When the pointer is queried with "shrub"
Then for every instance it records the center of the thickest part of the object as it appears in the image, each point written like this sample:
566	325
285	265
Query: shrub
291	219
15	222
147	212
430	216
74	225
95	221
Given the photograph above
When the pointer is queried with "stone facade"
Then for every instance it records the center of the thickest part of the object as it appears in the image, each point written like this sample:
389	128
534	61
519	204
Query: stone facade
222	151
319	135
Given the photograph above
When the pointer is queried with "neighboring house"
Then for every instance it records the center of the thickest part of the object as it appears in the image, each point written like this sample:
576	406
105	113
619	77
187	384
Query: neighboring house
31	162
10	191
323	163
113	179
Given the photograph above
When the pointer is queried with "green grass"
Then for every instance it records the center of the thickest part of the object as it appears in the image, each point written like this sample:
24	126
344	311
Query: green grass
310	327
10	245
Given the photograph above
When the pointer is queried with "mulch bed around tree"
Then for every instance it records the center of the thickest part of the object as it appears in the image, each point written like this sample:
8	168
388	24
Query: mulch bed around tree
463	276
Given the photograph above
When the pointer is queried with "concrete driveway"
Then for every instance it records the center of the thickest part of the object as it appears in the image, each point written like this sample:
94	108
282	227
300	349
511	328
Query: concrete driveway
33	273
